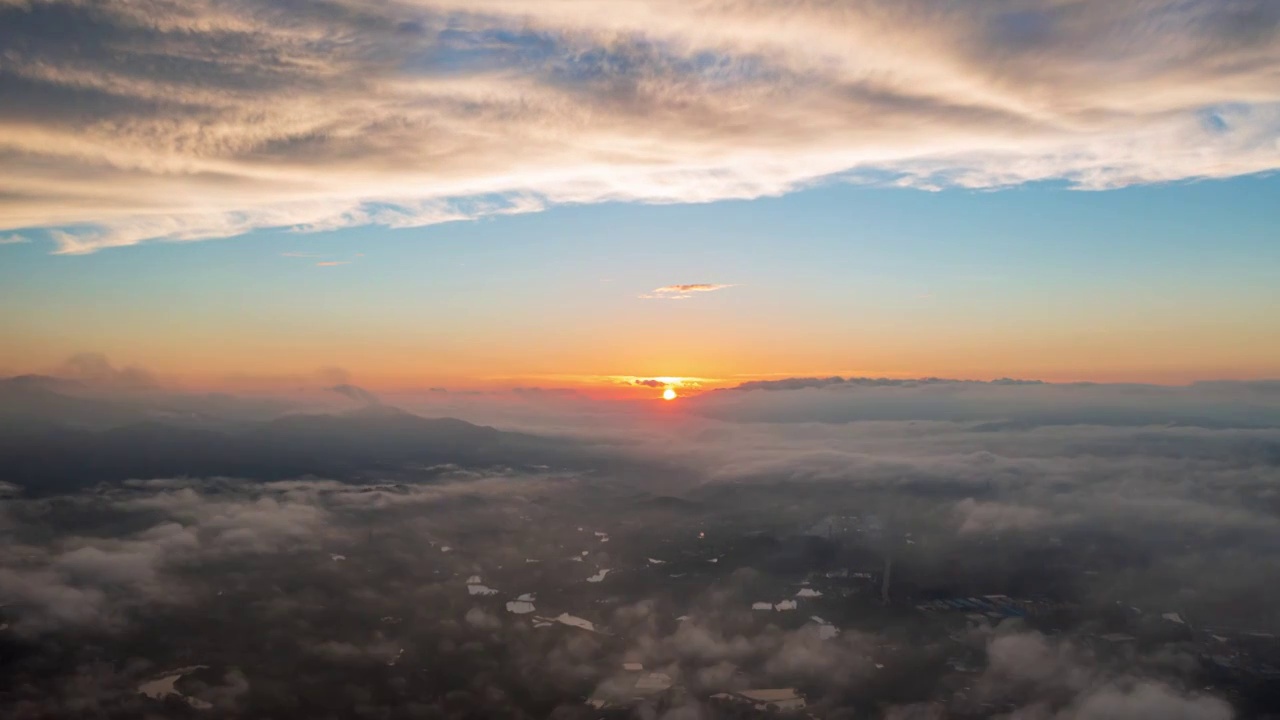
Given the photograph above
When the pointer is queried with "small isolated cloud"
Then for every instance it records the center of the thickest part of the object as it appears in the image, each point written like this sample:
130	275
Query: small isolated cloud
298	255
649	383
691	288
334	375
358	394
94	369
682	292
333	263
13	240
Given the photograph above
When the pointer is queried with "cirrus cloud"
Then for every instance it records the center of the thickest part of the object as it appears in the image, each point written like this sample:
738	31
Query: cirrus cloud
180	121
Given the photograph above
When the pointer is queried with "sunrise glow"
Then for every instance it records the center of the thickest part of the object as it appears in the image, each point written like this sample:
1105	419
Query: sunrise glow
427	237
361	317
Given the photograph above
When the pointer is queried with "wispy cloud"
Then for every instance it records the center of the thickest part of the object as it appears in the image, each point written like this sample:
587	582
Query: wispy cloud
298	255
13	240
682	292
333	263
643	100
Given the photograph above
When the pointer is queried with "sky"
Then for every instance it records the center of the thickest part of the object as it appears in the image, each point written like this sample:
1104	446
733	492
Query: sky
499	193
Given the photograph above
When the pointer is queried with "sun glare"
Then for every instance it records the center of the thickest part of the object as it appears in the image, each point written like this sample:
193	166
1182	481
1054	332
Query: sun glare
669	394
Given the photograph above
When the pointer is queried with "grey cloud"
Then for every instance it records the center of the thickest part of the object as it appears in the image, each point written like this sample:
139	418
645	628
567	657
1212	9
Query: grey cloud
721	637
482	620
804	655
1146	700
176	544
1165	517
334	376
799	383
94	369
789	383
319	115
55	601
108	567
1030	657
358	394
980	517
226	695
380	651
89	581
262	525
236	522
1054	680
1004	403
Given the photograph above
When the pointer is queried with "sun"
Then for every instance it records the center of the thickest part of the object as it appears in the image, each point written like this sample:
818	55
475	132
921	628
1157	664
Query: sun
669	394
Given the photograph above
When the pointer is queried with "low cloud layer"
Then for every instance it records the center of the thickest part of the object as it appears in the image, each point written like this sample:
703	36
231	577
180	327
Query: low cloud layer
162	120
1052	680
1004	403
375	562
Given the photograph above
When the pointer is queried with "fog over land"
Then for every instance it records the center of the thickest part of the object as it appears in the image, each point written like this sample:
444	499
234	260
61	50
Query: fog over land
572	359
863	548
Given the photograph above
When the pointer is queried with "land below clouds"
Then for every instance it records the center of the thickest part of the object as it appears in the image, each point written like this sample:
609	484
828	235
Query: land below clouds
252	538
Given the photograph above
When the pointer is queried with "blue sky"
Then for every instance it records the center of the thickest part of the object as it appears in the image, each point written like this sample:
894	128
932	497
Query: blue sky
824	268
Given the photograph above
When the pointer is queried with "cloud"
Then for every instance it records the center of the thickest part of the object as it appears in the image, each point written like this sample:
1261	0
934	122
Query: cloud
691	288
479	619
1147	700
337	651
358	394
13	240
986	517
1175	517
694	287
1055	680
95	369
682	292
334	376
197	120
1002	403
92	581
59	603
333	263
789	383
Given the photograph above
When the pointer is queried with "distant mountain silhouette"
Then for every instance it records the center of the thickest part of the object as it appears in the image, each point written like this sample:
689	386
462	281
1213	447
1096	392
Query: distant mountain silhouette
28	400
48	446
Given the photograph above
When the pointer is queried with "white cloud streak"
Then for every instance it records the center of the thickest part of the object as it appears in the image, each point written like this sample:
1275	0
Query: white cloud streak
682	292
159	120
